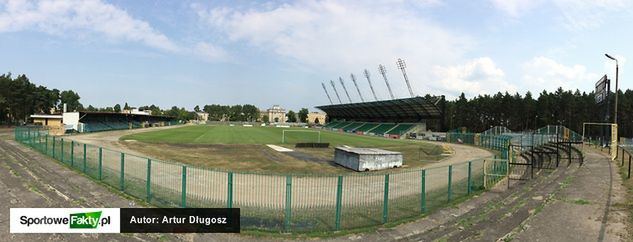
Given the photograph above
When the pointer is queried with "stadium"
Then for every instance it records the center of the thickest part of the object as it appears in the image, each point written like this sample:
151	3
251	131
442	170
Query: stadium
279	185
204	121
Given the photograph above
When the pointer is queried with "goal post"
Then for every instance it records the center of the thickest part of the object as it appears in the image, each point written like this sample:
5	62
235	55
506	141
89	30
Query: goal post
285	133
605	133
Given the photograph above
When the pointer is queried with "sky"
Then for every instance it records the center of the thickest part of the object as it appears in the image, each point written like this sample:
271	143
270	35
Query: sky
189	53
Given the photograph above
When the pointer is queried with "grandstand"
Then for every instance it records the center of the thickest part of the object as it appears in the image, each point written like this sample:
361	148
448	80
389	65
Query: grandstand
390	118
102	121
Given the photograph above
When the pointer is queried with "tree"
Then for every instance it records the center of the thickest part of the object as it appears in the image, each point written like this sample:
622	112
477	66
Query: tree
71	99
292	116
126	107
196	109
265	119
303	115
117	108
250	112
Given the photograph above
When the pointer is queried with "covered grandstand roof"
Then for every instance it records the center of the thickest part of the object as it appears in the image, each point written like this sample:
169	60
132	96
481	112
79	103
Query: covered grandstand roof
89	115
412	109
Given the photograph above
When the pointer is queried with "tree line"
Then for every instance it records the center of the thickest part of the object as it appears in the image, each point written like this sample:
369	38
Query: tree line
20	98
525	112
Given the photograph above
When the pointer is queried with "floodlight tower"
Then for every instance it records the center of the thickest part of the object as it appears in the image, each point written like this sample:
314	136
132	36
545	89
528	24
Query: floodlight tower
326	93
402	66
615	117
335	91
345	89
357	89
383	71
366	72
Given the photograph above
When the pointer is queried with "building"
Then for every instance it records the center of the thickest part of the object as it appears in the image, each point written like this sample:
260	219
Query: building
137	111
316	118
54	122
202	116
276	114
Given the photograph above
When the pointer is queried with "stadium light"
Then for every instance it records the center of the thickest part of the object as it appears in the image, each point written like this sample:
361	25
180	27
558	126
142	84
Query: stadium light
615	116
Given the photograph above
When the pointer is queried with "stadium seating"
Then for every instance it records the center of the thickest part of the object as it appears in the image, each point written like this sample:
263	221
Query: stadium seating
341	125
331	124
400	129
369	127
353	126
366	127
382	128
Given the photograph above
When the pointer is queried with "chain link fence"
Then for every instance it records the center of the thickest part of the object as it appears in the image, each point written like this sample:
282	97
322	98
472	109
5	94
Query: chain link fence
279	202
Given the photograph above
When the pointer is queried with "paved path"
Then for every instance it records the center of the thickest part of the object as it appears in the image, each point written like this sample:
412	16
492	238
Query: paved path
570	203
586	210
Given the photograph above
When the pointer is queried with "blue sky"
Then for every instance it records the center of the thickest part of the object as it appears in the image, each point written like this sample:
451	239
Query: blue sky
189	53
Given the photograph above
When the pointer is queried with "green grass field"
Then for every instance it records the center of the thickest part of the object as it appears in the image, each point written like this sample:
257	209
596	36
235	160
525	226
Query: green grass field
240	148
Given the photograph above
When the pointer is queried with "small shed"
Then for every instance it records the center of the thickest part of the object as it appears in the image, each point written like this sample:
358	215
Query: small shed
367	159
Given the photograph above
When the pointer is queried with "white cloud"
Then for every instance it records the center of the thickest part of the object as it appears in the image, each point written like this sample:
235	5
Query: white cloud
542	73
478	76
62	17
575	15
343	37
210	52
515	8
579	15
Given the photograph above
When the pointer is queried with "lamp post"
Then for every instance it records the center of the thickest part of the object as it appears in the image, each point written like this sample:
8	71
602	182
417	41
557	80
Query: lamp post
615	115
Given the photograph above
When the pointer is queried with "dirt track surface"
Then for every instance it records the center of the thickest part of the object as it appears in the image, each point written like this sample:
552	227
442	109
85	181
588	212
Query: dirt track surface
254	190
110	140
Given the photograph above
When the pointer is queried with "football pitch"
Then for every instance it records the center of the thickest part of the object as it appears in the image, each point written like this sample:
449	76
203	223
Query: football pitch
241	148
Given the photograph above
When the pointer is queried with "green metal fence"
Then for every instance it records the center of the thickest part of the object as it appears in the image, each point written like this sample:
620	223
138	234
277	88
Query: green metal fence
274	202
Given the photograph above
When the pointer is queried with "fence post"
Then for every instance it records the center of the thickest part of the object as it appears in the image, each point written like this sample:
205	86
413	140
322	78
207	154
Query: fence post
288	209
122	183
450	178
339	198
84	158
385	207
46	145
54	138
629	175
72	153
229	190
184	187
148	185
62	146
100	163
423	192
470	165
622	156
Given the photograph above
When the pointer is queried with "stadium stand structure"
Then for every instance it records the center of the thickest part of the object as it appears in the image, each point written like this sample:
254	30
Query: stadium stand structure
103	121
389	118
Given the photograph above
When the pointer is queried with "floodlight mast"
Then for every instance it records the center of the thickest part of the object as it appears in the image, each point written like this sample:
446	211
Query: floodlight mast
336	92
383	71
615	116
402	66
345	89
357	89
366	72
326	93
